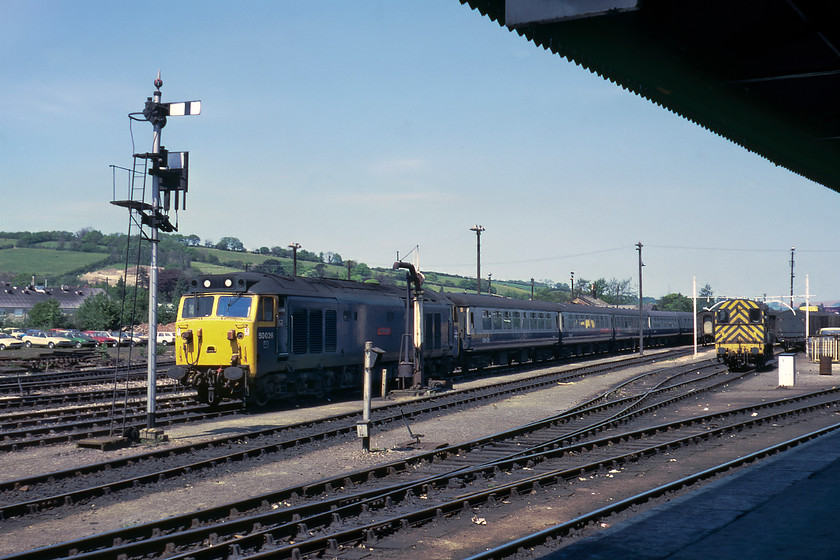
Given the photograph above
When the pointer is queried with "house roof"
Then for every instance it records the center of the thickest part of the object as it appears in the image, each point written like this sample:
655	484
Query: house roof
25	297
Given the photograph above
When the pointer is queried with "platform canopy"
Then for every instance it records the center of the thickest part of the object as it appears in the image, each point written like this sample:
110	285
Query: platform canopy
764	74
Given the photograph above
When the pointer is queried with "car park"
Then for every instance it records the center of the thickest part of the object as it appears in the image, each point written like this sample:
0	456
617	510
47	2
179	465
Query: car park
8	342
79	339
40	338
103	338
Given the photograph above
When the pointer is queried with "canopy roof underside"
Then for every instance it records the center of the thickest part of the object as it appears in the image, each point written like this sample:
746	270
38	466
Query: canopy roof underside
764	74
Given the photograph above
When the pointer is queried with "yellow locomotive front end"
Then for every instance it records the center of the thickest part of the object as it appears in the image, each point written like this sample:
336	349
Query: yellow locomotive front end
742	334
218	336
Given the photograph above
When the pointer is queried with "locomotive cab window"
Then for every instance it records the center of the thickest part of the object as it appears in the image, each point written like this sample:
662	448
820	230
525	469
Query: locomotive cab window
234	306
722	316
199	306
755	315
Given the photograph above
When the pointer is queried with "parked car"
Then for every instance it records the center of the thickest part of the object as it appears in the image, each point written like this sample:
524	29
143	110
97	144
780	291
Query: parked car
79	339
131	338
103	338
40	338
166	338
14	332
9	342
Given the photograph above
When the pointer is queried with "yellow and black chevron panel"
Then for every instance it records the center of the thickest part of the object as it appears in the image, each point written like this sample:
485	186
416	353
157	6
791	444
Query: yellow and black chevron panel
742	333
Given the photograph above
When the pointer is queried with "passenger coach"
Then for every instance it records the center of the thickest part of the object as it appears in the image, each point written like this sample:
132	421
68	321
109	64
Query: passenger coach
502	331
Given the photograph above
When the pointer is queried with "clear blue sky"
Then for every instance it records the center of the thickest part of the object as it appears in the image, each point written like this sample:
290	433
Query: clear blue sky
368	128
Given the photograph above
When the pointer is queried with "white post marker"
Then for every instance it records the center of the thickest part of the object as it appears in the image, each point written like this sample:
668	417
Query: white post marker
787	369
694	299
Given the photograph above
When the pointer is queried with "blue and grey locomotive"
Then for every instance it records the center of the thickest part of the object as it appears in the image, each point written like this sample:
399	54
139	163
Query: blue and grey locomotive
262	337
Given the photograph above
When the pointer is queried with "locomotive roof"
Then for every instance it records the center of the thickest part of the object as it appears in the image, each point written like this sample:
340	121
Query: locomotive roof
262	283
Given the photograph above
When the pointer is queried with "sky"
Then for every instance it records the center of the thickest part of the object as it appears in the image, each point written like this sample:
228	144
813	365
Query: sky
379	128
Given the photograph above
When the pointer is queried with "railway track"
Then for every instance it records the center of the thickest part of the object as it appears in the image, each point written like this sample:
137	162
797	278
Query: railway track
174	461
547	540
298	519
22	384
85	424
27	429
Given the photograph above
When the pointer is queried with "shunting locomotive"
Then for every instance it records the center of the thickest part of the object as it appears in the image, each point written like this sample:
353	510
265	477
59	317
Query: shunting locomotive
743	333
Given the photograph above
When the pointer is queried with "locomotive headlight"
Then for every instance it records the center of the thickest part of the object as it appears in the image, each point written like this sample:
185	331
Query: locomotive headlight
228	282
240	335
207	283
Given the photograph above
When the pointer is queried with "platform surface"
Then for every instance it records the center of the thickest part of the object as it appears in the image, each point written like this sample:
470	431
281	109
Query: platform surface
785	507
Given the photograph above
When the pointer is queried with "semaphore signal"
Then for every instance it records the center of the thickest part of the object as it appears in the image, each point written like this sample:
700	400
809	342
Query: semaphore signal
170	176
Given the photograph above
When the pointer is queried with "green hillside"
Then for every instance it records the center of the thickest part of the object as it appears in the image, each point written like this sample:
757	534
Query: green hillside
47	263
61	257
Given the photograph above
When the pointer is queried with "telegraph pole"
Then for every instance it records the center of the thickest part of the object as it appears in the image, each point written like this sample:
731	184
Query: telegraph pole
294	247
641	321
694	303
792	251
477	229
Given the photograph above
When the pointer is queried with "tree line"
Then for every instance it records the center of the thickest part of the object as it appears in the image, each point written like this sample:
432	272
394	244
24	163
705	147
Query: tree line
122	305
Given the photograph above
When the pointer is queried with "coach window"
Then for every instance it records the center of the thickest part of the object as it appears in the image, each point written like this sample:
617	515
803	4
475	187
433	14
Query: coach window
486	320
506	321
497	320
198	306
517	322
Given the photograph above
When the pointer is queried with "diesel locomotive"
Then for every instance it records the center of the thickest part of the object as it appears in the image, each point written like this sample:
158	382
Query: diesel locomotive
744	333
261	337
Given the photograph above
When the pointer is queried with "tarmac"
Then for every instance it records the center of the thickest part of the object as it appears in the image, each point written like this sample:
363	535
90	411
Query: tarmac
784	507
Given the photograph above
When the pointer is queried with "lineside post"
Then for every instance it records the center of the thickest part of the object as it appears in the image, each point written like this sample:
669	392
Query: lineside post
694	299
641	313
158	121
363	428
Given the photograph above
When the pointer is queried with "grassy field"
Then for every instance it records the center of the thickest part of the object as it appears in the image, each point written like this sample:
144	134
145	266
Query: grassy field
45	262
49	263
207	268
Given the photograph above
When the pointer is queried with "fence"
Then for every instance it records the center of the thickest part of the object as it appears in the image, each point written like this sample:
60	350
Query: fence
819	346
